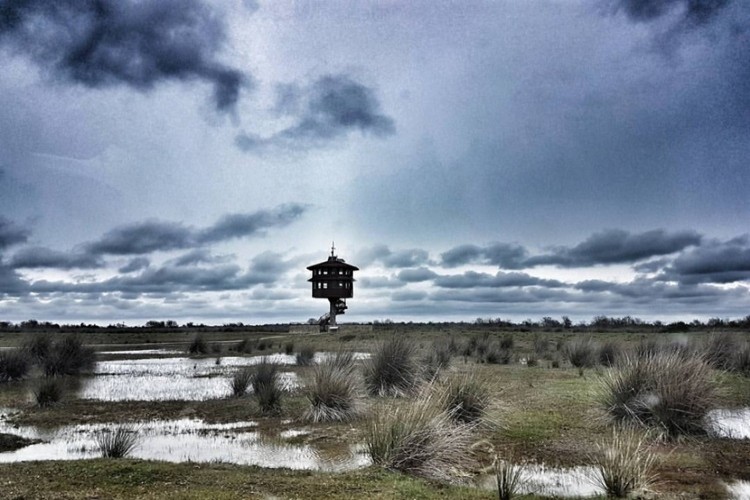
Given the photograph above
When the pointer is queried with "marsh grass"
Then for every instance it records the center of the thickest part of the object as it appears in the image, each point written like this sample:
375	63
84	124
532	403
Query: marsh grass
117	442
241	380
664	391
721	349
48	392
244	346
437	359
68	356
609	353
266	388
741	360
333	393
624	462
305	356
392	369
496	355
418	437
14	364
289	348
508	476
198	346
38	346
466	398
581	352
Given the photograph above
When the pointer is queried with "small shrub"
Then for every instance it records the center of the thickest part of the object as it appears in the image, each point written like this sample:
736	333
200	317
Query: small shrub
507	342
198	346
721	349
624	463
48	392
266	387
118	442
240	381
532	360
38	346
466	399
498	356
289	348
244	346
437	358
68	357
541	345
664	391
480	345
741	360
555	363
262	345
14	364
306	356
419	438
648	348
392	370
216	348
581	353
333	393
609	353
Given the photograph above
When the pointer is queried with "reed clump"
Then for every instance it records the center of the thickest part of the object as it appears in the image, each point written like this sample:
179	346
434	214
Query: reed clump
392	369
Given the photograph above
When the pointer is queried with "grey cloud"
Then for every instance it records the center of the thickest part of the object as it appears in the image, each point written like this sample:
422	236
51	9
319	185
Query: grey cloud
408	295
460	255
471	279
151	236
505	255
267	268
102	43
135	264
714	262
11	233
693	11
329	108
416	275
40	257
412	257
617	247
380	282
197	256
11	282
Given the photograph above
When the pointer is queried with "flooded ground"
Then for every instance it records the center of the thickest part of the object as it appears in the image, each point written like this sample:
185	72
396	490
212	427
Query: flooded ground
739	490
538	479
732	424
188	440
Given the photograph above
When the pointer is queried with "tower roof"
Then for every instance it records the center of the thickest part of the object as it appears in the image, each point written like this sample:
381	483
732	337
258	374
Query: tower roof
333	261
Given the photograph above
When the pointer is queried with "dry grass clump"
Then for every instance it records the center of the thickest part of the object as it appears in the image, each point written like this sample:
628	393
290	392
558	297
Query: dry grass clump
48	392
438	358
266	387
334	393
721	349
609	353
14	364
581	352
496	355
741	360
624	463
392	369
466	399
68	356
508	476
419	438
240	381
117	442
198	346
665	391
305	356
38	346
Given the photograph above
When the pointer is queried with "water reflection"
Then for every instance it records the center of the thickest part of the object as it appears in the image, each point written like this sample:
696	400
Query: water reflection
733	424
186	440
538	479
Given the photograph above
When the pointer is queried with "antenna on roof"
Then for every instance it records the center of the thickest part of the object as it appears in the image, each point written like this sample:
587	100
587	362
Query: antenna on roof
333	248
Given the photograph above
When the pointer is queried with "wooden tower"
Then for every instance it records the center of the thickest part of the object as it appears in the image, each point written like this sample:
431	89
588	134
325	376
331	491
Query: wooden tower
332	279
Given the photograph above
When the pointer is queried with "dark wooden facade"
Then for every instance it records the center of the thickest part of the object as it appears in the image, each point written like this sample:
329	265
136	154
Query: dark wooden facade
332	279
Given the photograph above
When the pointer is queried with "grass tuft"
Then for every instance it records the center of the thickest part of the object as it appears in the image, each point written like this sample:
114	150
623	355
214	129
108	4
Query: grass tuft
39	346
438	358
68	356
466	399
508	477
48	392
266	388
609	353
581	352
14	364
117	442
289	348
624	463
392	370
306	356
333	392
721	349
198	346
240	381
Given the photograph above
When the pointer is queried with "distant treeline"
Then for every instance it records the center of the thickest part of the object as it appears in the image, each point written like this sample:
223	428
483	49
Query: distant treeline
546	323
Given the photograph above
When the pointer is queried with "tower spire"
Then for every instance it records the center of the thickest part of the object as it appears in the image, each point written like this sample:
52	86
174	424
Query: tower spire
333	249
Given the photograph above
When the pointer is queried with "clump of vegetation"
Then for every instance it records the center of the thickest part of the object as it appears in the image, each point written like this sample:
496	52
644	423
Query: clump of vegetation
609	353
216	348
532	360
721	349
68	356
118	442
507	342
479	345
466	399
266	388
419	438
665	391
648	348
496	355
741	360
581	352
289	348
306	356
334	392
14	364
508	477
38	346
541	345
437	358
48	392
198	346
244	346
392	370
263	344
240	381
624	463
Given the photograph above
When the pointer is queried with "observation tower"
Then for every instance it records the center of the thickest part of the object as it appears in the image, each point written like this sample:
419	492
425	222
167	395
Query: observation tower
332	279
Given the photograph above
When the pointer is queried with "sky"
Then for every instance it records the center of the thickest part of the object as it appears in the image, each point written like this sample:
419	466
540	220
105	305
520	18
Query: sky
188	159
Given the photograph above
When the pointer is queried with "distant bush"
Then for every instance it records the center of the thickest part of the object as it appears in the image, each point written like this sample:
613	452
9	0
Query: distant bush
466	399
38	346
306	356
581	352
289	348
14	364
244	346
496	355
333	393
266	388
68	356
240	381
48	392
507	342
541	345
419	438
741	360
216	348
392	370
664	391
532	360
609	353
198	345
721	349
438	358
118	442
624	463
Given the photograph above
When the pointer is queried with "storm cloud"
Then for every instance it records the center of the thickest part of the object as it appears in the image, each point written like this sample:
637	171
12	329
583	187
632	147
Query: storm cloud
138	44
695	11
473	279
714	262
40	257
329	108
11	233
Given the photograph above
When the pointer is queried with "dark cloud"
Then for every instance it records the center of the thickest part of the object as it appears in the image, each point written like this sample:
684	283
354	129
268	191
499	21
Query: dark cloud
135	264
714	262
198	256
267	268
693	11
11	233
40	257
505	255
329	108
151	236
416	275
11	283
366	282
471	279
382	254
102	43
617	247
